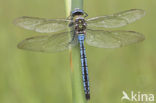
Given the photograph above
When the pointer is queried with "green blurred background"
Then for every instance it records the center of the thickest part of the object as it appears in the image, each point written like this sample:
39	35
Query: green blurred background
30	77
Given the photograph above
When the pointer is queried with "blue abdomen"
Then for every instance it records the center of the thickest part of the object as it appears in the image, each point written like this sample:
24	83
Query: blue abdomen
84	66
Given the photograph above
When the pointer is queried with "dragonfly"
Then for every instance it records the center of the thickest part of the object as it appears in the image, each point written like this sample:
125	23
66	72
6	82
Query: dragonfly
56	32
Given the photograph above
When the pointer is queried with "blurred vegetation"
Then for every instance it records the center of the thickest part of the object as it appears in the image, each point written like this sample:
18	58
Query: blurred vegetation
30	77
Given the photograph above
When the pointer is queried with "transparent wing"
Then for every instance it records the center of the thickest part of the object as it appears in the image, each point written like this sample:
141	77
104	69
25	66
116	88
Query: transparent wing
47	43
42	25
116	20
112	39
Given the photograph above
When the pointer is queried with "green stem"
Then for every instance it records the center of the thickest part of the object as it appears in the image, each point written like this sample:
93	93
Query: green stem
75	64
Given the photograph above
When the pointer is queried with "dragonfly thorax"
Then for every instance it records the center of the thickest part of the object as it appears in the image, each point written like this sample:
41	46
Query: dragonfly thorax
80	25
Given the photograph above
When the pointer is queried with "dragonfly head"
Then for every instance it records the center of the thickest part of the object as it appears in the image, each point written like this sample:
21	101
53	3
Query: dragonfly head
78	11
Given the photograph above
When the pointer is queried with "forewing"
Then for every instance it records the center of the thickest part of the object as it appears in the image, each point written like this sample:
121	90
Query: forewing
116	20
47	43
112	39
42	25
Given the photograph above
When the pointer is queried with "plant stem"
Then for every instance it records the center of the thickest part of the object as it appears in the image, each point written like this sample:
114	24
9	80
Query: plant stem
75	64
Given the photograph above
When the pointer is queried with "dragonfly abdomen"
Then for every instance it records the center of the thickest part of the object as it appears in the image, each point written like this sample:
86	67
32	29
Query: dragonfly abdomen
84	66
